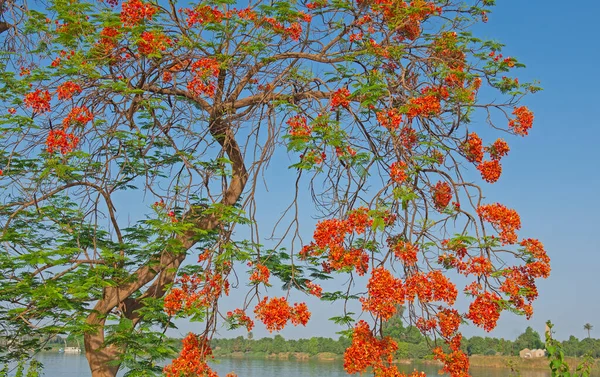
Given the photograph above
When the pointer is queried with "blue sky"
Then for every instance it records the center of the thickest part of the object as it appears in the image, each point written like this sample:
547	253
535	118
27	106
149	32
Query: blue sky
550	177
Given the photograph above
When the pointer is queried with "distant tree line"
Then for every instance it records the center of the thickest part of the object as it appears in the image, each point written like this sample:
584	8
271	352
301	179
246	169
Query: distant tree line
411	344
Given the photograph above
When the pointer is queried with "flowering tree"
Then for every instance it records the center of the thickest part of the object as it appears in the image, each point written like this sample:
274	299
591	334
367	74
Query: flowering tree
377	103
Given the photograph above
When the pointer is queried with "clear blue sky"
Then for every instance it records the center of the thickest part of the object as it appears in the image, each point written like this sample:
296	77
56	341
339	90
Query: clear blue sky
550	177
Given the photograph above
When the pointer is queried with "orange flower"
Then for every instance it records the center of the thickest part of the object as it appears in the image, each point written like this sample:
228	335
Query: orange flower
274	313
67	90
153	42
498	149
340	98
298	127
38	100
442	195
406	252
523	121
449	321
484	311
390	119
490	170
134	11
368	351
260	274
191	361
473	148
238	316
505	220
385	293
79	116
314	289
60	140
398	171
204	71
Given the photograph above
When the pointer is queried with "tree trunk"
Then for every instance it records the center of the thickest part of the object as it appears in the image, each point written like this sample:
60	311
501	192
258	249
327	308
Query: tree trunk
164	272
98	356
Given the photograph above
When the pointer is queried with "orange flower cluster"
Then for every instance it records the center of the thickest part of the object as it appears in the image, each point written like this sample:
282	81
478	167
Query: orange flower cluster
484	311
191	361
62	141
203	14
108	40
196	291
411	15
67	90
519	283
152	43
434	286
294	31
473	148
498	149
449	321
204	71
398	171
408	137
314	289
523	121
276	312
506	221
442	195
456	363
38	100
447	50
135	11
330	235
385	292
368	351
299	127
426	106
406	252
390	119
480	266
78	116
340	98
239	317
260	274
490	170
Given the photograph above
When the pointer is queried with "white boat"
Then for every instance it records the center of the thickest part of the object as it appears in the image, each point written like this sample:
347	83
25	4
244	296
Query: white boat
72	350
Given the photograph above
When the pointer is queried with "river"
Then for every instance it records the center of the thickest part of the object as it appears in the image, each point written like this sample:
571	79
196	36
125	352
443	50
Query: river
69	365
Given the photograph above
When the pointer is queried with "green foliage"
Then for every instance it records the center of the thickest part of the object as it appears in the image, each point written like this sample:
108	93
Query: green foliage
556	355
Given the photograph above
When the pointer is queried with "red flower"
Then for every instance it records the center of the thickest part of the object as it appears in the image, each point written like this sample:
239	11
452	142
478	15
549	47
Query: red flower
340	98
39	101
67	90
299	127
134	11
60	140
152	43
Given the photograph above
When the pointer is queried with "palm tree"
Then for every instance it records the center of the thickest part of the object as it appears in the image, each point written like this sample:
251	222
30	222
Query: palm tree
588	327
